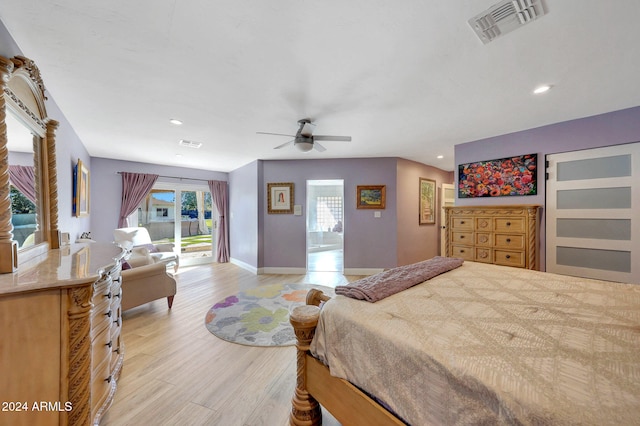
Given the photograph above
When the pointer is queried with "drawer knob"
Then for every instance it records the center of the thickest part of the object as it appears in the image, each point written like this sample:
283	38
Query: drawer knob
462	222
508	240
108	314
461	251
117	321
117	295
108	379
117	350
508	223
109	344
508	256
461	237
108	295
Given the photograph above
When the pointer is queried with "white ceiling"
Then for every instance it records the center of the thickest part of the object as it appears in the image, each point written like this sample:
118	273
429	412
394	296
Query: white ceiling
404	78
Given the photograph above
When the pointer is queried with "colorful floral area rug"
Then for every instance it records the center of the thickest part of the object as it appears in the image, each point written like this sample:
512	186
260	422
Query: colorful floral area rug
259	316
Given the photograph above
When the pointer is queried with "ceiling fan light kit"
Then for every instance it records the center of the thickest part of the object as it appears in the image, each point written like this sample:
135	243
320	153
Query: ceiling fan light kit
304	140
304	146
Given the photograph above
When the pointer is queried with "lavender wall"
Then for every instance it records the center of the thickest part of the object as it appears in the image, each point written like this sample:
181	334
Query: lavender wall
368	242
244	221
417	242
106	189
613	128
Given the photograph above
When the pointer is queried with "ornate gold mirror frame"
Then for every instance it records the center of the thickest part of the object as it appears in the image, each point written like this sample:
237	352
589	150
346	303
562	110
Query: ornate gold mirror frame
22	91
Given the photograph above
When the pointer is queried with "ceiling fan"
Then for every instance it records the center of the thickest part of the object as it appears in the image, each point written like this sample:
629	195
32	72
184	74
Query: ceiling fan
305	140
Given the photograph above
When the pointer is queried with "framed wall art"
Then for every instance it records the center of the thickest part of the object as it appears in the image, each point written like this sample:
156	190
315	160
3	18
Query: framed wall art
280	198
427	213
81	191
371	196
498	178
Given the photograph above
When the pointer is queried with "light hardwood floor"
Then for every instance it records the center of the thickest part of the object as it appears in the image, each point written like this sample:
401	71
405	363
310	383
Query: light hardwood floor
177	373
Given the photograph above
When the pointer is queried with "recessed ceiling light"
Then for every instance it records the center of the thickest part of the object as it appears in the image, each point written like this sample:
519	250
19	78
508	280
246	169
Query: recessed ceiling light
175	122
541	89
440	157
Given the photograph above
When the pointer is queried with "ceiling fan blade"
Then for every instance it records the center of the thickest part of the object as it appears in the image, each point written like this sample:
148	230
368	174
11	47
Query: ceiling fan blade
332	138
285	144
318	147
306	129
277	134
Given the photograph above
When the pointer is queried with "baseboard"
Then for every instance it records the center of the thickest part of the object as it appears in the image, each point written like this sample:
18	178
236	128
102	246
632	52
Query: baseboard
276	270
298	271
362	271
244	265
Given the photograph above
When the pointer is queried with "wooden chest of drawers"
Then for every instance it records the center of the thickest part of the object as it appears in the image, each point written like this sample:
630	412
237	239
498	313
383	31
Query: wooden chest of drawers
61	345
504	235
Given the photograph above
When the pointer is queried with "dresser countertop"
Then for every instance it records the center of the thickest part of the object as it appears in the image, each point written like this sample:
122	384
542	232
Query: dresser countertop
64	267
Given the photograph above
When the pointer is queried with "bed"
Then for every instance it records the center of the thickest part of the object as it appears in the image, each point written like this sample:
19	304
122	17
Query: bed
480	344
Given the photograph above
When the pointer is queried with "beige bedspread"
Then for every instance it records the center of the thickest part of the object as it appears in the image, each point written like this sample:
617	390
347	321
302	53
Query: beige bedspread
485	344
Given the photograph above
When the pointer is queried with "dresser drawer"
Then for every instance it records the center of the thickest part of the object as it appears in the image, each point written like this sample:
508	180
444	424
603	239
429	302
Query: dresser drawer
101	383
101	289
101	348
507	241
483	239
462	224
462	238
509	258
483	255
116	351
509	224
462	252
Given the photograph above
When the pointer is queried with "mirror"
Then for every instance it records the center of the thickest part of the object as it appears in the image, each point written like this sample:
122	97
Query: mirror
22	180
22	104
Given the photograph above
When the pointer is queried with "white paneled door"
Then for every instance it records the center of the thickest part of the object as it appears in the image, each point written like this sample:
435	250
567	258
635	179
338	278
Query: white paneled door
593	213
448	198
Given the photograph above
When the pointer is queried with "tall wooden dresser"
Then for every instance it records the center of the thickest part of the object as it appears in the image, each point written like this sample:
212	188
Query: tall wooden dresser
61	351
503	235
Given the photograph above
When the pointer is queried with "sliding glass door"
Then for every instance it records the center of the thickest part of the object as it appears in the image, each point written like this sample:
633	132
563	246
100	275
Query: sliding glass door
181	214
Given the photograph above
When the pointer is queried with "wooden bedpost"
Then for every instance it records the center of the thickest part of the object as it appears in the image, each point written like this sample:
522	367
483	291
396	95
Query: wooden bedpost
305	410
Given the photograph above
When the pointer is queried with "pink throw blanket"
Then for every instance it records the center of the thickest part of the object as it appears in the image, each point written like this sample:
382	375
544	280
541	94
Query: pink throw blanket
387	283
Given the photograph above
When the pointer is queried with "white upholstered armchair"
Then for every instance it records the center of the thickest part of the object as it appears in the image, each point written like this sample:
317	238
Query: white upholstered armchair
137	241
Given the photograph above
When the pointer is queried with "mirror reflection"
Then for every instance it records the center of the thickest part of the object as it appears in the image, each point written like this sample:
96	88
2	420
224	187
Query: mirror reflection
22	180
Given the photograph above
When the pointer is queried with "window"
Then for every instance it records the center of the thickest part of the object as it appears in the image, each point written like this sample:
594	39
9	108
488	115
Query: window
329	210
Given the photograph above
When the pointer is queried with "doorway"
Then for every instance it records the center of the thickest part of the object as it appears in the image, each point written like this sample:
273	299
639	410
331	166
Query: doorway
448	198
325	225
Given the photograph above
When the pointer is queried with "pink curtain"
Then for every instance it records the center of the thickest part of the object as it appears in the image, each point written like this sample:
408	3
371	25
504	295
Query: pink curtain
24	178
135	186
220	196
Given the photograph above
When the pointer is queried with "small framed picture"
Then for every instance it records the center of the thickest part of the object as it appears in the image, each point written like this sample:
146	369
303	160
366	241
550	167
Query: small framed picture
427	213
81	190
371	196
280	198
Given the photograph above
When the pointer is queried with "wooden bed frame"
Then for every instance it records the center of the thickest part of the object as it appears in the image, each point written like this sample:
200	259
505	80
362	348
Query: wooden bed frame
315	386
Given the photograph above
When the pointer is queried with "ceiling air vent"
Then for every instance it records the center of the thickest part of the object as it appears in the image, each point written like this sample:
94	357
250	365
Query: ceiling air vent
190	144
504	17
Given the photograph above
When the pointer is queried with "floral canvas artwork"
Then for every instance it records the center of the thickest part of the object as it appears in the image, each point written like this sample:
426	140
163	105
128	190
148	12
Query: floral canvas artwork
496	178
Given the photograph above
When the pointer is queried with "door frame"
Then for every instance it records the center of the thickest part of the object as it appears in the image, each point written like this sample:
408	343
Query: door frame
328	182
